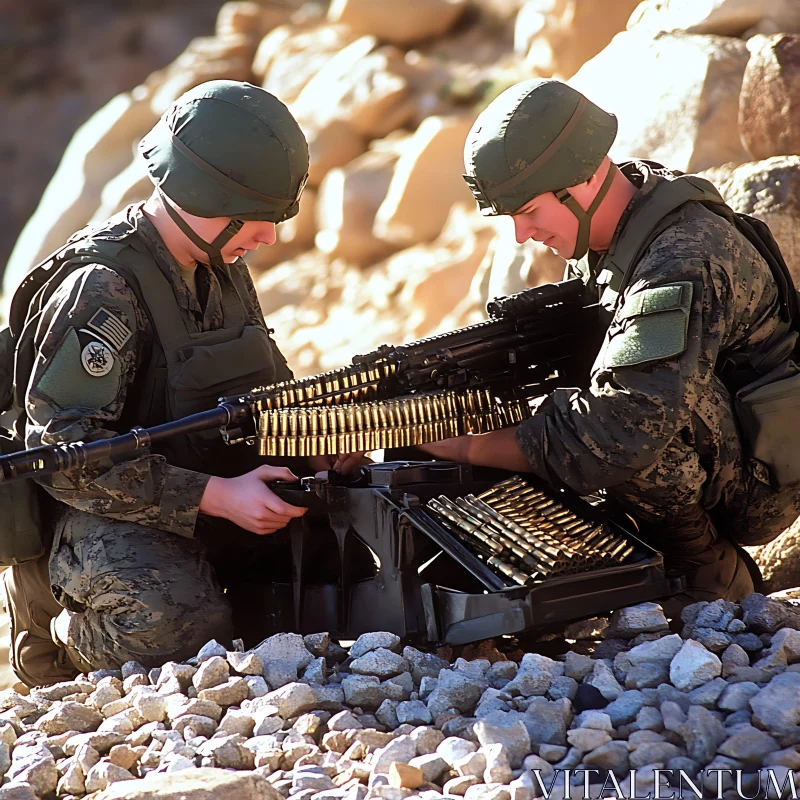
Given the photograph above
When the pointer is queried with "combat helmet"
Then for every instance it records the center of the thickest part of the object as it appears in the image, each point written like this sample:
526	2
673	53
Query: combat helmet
536	137
227	149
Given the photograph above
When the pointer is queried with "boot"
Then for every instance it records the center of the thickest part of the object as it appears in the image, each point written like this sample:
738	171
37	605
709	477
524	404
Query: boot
35	658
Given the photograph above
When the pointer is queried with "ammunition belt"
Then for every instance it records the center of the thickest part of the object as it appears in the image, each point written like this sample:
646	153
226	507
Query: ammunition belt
401	422
527	536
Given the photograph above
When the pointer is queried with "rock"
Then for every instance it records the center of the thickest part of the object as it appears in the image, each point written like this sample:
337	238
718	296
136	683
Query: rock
457	787
556	37
432	766
402	749
288	648
762	614
577	666
713	65
777	705
733	657
546	721
633	620
625	708
661	651
72	781
17	791
68	716
702	732
720	17
406	23
647	675
256	686
387	714
228	752
413	712
212	672
514	738
196	784
649	719
587	739
291	700
562	687
104	774
361	85
612	756
498	768
208	650
653	753
245	663
410	213
602	678
750	746
472	764
349	198
202	726
736	696
364	691
708	694
230	693
382	640
713	641
769	105
455	691
405	776
693	666
37	767
380	662
453	749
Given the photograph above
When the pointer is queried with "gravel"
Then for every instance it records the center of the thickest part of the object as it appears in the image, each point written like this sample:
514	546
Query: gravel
385	721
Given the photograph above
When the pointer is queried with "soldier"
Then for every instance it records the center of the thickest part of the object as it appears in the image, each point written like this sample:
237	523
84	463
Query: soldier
691	315
149	317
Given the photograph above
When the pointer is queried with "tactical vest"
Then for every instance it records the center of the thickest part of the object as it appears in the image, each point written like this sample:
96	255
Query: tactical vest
186	371
764	380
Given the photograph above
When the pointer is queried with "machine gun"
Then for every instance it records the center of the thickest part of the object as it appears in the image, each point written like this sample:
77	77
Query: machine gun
433	551
471	380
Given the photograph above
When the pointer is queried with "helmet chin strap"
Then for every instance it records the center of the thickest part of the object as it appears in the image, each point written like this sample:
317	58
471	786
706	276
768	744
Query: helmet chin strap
212	249
585	216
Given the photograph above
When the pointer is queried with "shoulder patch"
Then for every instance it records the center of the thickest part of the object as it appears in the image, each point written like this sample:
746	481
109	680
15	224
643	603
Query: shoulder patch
653	324
110	328
80	378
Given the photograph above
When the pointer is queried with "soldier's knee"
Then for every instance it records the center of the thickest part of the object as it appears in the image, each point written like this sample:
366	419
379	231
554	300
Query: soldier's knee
150	630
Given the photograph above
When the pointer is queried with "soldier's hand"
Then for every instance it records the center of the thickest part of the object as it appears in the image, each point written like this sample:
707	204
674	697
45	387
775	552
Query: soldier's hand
343	464
248	502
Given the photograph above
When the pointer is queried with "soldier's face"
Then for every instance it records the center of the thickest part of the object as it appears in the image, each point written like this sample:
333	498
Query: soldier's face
251	235
545	220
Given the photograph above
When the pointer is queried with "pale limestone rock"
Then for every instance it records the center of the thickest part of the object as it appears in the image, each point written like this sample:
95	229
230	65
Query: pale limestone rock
721	17
288	58
412	212
687	118
404	22
556	37
361	85
349	198
769	105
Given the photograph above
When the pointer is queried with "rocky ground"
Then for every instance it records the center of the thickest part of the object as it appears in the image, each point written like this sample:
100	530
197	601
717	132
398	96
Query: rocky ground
304	718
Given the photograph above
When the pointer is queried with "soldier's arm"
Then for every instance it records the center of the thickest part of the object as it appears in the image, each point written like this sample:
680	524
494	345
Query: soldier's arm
656	362
89	344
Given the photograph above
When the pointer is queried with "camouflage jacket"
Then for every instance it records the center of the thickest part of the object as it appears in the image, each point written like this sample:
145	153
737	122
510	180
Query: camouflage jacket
63	404
621	425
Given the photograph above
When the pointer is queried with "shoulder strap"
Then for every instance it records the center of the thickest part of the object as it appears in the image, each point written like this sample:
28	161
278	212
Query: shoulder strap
643	226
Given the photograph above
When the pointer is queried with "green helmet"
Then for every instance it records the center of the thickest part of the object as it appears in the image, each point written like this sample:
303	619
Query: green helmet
536	137
227	149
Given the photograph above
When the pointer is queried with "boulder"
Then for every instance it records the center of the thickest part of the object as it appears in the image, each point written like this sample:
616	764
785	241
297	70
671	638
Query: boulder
779	561
331	145
720	17
366	89
194	784
404	22
412	212
556	37
769	105
769	190
687	118
288	58
349	198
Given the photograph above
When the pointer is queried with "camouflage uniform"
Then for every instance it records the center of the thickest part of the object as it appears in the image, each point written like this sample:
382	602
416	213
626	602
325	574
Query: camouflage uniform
125	555
661	436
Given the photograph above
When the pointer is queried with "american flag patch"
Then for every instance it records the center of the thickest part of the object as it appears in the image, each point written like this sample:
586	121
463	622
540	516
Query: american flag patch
110	327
